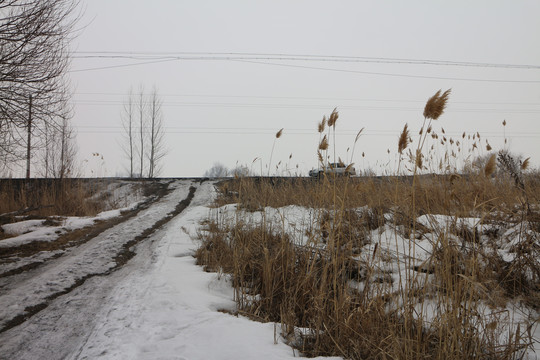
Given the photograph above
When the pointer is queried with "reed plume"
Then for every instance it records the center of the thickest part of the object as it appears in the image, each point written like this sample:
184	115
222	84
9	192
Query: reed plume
525	164
355	141
418	159
504	132
433	110
320	157
323	145
322	125
436	104
490	166
320	128
333	118
403	139
278	135
332	124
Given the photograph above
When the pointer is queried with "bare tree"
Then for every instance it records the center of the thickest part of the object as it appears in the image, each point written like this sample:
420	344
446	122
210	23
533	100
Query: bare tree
217	170
141	107
148	133
58	154
156	134
47	151
240	171
68	150
34	56
128	123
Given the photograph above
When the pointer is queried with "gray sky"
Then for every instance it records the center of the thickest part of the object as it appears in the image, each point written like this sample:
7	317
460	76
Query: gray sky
228	110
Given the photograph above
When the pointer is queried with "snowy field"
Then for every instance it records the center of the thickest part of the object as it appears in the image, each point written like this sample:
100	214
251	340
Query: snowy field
159	305
134	291
396	260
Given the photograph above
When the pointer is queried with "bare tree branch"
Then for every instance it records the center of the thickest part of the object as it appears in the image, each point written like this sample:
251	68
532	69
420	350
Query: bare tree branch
34	57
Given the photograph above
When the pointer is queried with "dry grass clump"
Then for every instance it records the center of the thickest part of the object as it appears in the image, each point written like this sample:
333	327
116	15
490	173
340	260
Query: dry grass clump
306	287
309	287
40	197
215	254
345	291
439	194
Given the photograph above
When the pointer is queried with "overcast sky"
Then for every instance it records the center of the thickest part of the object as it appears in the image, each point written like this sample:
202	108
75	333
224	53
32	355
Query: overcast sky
238	71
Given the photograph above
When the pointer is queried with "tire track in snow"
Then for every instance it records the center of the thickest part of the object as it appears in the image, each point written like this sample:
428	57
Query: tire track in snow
67	241
99	257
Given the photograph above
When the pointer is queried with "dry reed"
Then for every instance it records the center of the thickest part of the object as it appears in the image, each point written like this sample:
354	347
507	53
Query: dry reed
436	104
343	288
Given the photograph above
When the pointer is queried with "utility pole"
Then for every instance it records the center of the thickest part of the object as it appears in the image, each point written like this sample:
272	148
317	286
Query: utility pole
29	138
63	150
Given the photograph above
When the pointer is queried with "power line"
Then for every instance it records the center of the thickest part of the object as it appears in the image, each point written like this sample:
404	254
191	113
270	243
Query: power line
120	66
311	130
289	57
305	106
124	95
293	131
255	60
393	74
217	132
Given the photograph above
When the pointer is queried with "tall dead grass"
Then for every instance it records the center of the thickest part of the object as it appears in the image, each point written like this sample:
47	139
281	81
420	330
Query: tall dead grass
40	197
341	294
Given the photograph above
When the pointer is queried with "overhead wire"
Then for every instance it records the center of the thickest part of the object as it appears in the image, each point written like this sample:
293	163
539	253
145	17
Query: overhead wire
295	57
123	95
392	74
146	58
220	132
296	131
257	59
304	106
120	66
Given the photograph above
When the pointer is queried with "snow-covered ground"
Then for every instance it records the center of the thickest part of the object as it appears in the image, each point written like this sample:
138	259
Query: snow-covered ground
96	257
121	197
126	196
395	258
170	310
27	231
160	305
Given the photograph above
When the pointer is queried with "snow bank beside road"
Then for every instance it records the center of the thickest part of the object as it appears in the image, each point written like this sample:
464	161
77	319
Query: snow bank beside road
96	257
35	230
170	310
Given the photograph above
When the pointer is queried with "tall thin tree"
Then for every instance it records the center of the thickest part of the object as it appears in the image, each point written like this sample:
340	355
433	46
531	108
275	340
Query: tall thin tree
156	134
141	108
128	123
58	156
